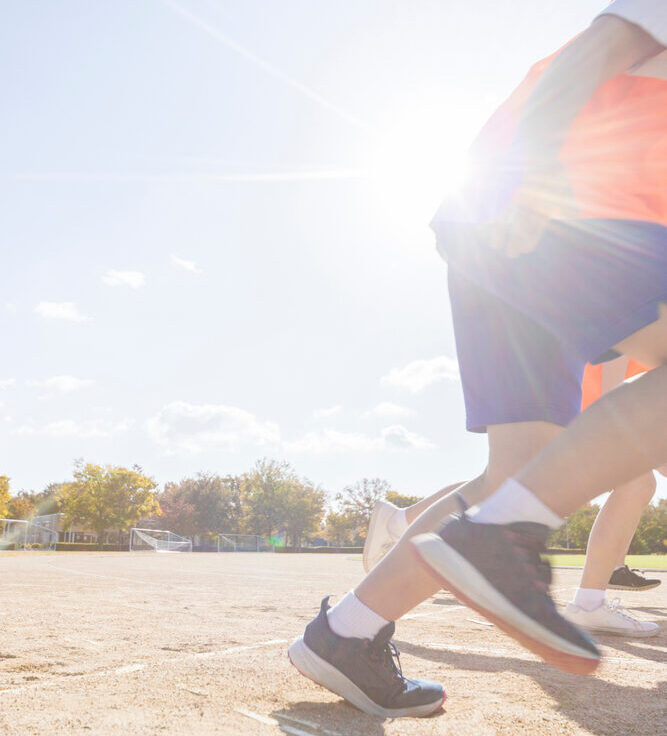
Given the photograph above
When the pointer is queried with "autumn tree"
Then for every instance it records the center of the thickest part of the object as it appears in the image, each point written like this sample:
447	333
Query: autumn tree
341	529
359	499
107	497
204	505
21	506
4	495
401	499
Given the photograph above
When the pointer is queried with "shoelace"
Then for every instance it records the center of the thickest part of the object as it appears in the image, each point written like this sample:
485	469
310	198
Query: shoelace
389	655
615	607
530	549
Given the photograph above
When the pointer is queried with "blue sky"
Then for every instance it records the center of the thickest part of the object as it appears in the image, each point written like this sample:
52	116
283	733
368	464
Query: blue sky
215	225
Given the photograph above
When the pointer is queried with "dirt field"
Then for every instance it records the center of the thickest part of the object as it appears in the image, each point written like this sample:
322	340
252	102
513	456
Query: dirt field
116	643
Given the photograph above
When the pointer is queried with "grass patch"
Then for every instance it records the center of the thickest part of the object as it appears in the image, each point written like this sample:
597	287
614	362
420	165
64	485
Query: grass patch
640	561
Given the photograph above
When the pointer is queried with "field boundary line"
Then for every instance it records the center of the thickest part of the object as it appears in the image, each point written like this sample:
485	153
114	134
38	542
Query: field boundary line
58	681
286	728
428	614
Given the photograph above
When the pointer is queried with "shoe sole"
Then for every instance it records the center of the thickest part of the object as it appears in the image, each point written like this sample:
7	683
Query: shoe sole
366	556
636	590
634	634
318	670
454	572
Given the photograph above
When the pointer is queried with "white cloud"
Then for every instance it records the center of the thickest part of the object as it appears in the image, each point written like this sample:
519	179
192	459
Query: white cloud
399	437
65	384
331	440
184	264
395	437
325	413
419	374
387	409
71	428
6	383
184	427
133	279
60	310
11	307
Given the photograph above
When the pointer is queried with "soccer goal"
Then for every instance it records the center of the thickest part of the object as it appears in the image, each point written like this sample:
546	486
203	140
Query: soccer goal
158	540
26	535
242	543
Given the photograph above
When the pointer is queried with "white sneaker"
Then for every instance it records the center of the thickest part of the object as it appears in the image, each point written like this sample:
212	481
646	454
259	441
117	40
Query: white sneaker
610	618
379	539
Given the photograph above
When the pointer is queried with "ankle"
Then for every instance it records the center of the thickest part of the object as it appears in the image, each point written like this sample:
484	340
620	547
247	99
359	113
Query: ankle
353	619
514	502
589	598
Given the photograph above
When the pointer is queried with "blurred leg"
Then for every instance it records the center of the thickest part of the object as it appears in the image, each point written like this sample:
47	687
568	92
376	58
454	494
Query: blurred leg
613	530
396	585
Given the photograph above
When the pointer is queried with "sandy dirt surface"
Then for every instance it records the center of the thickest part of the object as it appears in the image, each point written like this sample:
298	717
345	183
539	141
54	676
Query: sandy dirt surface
145	643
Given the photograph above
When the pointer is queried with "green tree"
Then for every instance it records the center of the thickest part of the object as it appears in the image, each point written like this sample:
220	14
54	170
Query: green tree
578	528
303	506
264	494
401	500
107	497
4	495
651	534
205	505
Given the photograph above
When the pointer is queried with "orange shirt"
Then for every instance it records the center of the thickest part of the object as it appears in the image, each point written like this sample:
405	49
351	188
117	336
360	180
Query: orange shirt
592	384
615	152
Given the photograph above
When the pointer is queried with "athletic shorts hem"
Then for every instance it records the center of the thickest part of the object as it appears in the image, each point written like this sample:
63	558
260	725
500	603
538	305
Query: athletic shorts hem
479	421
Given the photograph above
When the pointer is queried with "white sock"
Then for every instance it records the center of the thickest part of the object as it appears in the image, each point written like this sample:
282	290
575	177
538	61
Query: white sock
398	523
514	502
589	598
353	619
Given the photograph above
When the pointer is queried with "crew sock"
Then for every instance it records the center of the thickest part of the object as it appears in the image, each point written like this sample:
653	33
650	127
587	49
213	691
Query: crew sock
398	523
514	502
589	598
353	619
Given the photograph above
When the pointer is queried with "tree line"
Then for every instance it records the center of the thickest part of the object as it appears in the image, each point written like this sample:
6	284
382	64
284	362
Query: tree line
270	500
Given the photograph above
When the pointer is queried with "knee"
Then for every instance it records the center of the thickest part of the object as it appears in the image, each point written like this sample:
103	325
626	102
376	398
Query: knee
641	488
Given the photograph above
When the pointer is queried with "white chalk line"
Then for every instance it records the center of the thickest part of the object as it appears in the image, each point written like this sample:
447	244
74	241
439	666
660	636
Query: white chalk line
429	614
286	728
138	667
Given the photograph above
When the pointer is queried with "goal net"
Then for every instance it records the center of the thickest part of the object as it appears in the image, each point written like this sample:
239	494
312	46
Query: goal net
26	535
158	540
242	543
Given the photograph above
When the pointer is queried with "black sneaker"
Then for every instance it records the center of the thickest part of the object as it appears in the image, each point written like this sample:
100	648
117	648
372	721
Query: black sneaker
497	569
623	578
365	672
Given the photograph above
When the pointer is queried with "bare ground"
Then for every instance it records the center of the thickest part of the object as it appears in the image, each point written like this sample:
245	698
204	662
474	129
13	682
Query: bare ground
120	643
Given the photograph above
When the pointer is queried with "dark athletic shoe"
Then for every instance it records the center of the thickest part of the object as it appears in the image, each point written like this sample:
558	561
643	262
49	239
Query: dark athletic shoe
497	570
624	578
365	672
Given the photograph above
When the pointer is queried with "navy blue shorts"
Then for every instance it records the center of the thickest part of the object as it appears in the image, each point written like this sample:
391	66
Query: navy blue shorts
526	327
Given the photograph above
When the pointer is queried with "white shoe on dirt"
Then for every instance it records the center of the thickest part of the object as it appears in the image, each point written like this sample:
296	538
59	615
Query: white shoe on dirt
379	539
610	618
